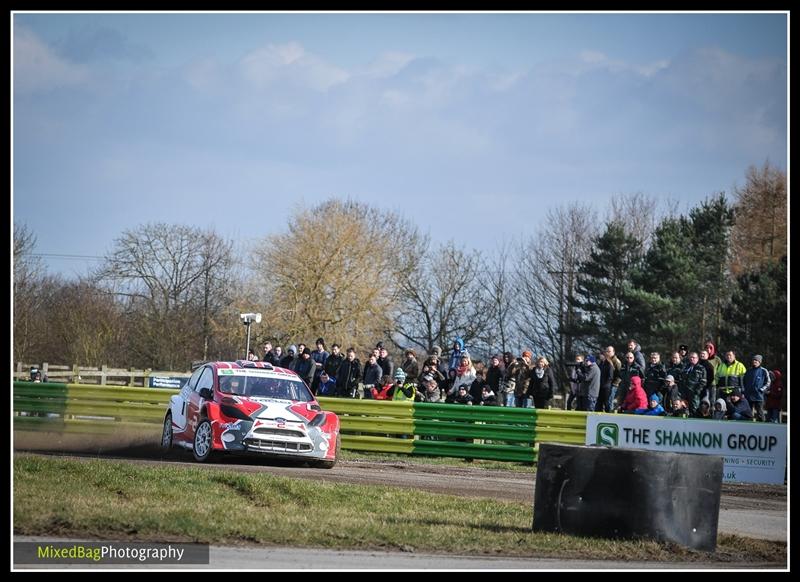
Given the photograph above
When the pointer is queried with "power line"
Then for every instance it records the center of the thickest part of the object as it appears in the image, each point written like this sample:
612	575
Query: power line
65	256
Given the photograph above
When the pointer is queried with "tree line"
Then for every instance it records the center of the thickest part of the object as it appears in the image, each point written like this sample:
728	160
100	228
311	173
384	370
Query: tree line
170	294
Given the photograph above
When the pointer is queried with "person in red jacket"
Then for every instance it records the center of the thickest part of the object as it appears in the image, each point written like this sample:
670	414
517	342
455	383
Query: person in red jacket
775	397
384	390
636	398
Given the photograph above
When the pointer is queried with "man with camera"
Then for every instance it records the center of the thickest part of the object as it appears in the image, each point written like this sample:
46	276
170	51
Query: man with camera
576	377
589	388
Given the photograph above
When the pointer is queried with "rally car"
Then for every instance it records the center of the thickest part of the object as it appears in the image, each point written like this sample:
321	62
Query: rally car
250	407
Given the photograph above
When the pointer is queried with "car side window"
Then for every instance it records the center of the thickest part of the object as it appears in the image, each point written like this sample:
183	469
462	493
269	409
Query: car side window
206	380
195	376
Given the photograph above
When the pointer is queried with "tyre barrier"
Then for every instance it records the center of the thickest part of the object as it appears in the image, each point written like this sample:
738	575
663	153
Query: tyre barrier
627	493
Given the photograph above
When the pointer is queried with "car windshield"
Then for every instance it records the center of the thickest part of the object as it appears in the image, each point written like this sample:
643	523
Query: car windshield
260	387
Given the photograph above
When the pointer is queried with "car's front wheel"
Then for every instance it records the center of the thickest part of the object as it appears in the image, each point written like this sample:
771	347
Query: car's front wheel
166	434
203	441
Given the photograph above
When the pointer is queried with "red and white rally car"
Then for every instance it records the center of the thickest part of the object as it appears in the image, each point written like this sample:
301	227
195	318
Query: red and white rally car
253	407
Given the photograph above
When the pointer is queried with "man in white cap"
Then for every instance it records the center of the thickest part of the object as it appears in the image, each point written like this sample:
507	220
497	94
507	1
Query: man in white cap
670	390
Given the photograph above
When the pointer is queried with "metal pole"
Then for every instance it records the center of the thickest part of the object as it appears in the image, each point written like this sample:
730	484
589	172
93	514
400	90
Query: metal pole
247	350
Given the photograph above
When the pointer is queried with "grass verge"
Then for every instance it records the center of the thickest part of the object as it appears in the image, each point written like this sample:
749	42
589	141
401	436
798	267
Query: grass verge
126	501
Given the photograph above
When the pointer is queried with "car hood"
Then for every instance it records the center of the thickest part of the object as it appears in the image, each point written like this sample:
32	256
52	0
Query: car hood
271	409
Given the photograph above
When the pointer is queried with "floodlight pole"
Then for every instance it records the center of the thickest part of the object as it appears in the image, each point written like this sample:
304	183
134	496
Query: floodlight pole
247	349
247	320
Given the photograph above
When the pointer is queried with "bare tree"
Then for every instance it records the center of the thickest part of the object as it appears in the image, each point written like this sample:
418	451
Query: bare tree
639	214
29	284
87	326
214	292
445	297
546	279
168	274
498	284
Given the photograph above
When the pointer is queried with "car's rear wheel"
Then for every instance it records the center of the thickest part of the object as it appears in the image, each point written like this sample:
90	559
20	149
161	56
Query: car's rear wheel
166	434
331	463
203	441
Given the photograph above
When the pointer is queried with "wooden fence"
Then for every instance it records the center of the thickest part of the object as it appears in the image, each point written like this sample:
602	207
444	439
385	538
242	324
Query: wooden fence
103	375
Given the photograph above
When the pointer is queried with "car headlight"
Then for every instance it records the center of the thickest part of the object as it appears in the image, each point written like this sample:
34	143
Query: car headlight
317	420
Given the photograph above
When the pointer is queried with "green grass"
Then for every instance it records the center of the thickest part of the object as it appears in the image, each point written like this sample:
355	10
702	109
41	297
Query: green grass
125	501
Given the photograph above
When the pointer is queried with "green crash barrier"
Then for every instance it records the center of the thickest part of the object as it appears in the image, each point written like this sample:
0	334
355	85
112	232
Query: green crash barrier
469	450
377	444
86	408
448	430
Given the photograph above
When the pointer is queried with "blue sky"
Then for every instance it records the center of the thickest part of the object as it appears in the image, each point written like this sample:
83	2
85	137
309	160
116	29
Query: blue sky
470	125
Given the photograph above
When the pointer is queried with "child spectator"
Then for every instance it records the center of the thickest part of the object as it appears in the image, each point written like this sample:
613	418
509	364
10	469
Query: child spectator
704	410
488	397
720	410
463	397
654	407
456	354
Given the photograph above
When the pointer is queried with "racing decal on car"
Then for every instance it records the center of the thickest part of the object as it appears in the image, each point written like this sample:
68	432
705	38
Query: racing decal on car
233	435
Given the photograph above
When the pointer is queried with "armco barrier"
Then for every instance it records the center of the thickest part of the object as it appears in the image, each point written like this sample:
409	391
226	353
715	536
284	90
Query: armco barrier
450	430
478	432
82	408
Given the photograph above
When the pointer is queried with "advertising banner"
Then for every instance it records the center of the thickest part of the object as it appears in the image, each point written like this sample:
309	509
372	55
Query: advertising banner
752	452
175	382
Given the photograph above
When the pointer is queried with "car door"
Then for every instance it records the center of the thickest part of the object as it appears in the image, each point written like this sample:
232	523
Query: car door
180	405
195	403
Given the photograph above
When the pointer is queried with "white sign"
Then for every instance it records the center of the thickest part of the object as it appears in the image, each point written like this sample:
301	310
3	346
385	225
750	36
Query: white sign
752	452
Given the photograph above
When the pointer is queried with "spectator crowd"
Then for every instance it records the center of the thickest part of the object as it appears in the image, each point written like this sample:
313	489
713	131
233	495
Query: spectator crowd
697	384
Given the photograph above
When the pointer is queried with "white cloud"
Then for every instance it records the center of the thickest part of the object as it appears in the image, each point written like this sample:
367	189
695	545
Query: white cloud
651	69
37	68
503	81
387	64
290	62
593	57
395	98
596	59
204	74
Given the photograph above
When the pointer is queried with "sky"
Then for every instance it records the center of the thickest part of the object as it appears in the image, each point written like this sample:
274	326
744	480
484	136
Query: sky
471	125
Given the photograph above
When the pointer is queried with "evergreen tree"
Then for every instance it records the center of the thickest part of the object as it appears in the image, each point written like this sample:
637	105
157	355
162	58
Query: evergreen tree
664	285
711	225
756	318
603	292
